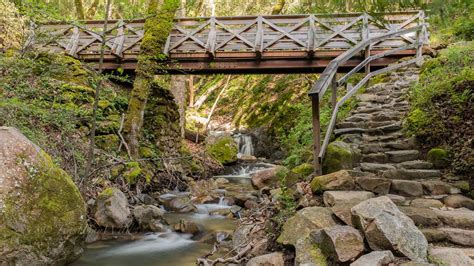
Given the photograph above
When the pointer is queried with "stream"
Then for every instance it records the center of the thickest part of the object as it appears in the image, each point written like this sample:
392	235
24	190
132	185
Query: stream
171	248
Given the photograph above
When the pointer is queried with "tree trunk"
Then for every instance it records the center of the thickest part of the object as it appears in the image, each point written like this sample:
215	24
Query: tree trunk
278	7
79	9
178	89
92	9
157	29
191	90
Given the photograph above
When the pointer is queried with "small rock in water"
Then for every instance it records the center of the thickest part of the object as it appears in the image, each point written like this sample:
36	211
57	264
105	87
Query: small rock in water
149	217
112	209
179	204
187	227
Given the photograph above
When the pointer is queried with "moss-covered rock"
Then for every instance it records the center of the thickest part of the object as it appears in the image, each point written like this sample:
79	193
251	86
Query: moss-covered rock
438	157
339	155
223	149
305	169
340	180
43	219
111	209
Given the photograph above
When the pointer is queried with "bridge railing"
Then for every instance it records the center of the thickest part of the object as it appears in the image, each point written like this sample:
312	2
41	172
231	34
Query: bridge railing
328	79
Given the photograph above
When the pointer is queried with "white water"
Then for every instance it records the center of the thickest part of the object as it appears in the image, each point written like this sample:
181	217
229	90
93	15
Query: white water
244	142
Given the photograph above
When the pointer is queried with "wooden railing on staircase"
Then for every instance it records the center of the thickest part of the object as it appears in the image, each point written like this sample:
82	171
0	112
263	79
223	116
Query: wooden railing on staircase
328	78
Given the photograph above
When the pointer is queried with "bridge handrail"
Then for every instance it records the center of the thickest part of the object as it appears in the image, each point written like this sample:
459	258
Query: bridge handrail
328	77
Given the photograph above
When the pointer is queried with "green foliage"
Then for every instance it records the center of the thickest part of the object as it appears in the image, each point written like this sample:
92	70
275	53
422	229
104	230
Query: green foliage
441	103
49	98
12	26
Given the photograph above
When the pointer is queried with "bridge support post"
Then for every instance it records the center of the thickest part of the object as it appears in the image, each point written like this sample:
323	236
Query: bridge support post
333	93
316	133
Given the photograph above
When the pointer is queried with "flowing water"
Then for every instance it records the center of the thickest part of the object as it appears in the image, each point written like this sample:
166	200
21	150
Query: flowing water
171	248
244	142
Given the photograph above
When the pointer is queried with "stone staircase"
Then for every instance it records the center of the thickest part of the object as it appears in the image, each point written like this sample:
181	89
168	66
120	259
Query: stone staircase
391	164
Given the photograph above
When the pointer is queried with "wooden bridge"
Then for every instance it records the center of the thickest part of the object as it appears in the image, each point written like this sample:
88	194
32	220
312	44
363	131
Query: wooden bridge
329	44
249	44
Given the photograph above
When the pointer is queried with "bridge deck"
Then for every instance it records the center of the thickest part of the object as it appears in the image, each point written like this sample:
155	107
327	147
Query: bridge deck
250	44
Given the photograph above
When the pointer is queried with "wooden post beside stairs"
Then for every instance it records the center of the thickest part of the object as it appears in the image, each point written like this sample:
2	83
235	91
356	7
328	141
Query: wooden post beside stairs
316	133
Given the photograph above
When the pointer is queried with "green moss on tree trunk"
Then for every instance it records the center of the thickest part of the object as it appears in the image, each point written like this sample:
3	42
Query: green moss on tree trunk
157	29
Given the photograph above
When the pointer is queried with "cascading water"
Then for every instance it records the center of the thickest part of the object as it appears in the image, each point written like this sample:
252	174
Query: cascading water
244	142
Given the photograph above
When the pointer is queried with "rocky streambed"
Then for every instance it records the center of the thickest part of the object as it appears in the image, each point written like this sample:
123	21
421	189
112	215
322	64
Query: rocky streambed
186	224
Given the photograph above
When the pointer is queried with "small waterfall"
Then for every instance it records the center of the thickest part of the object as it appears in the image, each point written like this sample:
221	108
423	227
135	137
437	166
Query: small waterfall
244	142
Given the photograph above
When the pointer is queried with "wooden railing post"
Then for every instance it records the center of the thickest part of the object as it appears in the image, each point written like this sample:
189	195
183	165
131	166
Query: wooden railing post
316	133
333	93
366	36
420	39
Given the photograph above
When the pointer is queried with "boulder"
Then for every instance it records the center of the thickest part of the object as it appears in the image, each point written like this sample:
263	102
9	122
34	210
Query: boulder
343	212
341	180
43	218
303	222
340	155
267	177
426	203
449	256
179	204
149	217
274	259
375	258
459	201
222	148
111	209
332	198
377	185
341	243
407	188
387	228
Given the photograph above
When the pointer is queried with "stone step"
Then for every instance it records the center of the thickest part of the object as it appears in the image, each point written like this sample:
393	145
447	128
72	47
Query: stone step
383	138
463	237
385	129
417	164
368	110
374	147
376	167
411	174
344	131
397	156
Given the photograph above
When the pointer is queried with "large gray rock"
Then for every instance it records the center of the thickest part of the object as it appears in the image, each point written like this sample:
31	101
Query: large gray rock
308	252
341	243
111	209
375	258
387	228
449	256
43	218
149	217
303	223
274	259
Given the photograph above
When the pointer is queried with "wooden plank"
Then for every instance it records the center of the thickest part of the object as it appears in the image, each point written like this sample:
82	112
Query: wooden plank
73	42
211	41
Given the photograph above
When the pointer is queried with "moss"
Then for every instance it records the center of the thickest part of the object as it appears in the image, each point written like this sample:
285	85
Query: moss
146	152
438	157
463	186
133	171
108	142
116	170
104	104
305	169
338	156
107	193
224	150
45	209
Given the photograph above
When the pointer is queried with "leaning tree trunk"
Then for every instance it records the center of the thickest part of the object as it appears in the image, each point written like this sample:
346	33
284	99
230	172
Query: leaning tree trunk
157	28
79	9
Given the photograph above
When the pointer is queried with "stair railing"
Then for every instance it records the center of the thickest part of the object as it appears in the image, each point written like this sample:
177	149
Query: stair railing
328	78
